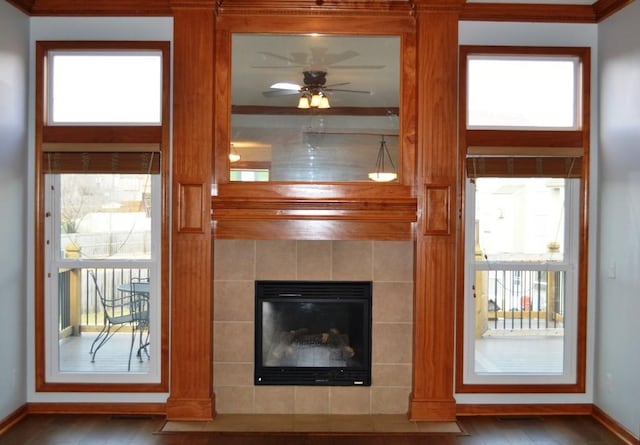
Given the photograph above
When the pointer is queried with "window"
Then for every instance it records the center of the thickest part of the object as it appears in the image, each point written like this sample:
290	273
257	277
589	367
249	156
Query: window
524	141
102	150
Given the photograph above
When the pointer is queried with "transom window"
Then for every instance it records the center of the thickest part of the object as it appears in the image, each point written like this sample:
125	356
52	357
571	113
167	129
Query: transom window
517	91
122	87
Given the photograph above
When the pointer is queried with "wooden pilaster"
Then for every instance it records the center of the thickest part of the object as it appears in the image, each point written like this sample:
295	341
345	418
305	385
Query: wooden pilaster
191	383
437	192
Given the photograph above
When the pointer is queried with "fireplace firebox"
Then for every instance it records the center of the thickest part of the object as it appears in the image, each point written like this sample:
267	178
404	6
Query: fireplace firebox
314	333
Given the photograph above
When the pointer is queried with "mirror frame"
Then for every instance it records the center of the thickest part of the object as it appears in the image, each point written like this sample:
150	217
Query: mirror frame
238	202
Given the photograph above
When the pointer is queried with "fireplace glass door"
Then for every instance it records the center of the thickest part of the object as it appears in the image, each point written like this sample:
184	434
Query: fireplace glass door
313	333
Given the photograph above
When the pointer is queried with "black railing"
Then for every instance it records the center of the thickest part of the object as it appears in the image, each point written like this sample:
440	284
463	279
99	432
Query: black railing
522	299
82	297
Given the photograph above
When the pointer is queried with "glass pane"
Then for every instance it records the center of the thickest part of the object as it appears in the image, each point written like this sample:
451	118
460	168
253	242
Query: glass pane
105	216
519	324
359	76
520	219
103	320
527	93
105	87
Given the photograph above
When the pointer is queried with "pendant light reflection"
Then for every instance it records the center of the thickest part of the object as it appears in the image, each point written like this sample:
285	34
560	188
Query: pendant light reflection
233	154
383	173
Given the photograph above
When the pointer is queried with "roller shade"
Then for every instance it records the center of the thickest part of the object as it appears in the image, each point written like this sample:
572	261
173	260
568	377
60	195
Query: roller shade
101	158
521	166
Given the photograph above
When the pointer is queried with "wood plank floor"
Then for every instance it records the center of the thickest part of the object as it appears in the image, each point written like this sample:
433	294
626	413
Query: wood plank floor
144	430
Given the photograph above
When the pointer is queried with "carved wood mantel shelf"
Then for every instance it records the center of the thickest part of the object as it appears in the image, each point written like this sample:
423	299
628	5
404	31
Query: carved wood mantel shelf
324	213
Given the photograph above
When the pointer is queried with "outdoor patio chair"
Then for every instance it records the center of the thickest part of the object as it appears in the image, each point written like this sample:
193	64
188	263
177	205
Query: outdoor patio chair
126	307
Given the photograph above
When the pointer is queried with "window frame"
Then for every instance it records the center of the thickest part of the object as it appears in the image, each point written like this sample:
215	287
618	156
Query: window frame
529	152
97	136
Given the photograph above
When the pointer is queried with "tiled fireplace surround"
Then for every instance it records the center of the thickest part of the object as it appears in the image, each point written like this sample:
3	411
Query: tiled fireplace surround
237	263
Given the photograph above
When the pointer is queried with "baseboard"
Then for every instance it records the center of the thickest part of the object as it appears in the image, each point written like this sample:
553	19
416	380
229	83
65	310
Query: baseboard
614	426
535	409
97	408
13	418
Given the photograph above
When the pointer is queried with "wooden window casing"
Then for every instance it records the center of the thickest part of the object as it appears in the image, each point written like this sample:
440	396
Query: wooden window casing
71	148
527	153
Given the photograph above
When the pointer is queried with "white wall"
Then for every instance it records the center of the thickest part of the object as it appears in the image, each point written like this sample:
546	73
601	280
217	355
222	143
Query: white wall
14	57
617	367
548	34
81	28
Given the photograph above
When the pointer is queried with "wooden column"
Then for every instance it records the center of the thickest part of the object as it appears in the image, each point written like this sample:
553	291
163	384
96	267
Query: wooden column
437	192
191	379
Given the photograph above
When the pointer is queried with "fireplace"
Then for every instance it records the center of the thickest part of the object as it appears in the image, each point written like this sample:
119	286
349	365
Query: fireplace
315	333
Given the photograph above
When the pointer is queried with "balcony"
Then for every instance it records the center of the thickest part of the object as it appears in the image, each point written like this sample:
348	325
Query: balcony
81	318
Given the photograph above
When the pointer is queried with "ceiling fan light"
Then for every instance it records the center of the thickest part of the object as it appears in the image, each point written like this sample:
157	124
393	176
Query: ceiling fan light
324	103
303	103
316	98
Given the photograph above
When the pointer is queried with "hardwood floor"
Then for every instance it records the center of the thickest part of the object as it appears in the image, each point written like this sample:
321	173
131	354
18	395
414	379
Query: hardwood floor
144	430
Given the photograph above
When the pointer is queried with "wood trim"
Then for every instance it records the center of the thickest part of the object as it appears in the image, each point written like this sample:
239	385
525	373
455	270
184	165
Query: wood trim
614	426
525	138
357	201
23	5
293	111
536	409
12	419
112	134
606	8
161	137
435	260
580	138
313	229
191	387
112	8
97	408
528	12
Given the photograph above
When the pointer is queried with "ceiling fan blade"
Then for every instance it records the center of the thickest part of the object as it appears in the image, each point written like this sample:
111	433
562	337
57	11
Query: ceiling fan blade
275	93
357	67
277	56
275	67
336	85
338	90
330	59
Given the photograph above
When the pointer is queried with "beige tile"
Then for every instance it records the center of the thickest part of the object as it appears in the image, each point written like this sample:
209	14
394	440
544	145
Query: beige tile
352	260
234	260
311	400
393	261
274	399
391	375
233	301
438	427
392	302
389	400
232	374
314	260
276	260
392	343
234	399
350	400
233	342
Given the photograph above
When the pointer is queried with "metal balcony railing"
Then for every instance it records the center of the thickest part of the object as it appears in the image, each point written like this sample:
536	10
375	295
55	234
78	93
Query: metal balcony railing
80	309
520	299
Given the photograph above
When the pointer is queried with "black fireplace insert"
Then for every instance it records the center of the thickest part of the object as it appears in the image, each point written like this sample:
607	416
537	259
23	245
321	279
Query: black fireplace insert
313	333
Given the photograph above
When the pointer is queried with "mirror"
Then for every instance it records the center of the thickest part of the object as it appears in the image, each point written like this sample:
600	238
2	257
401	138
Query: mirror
348	128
